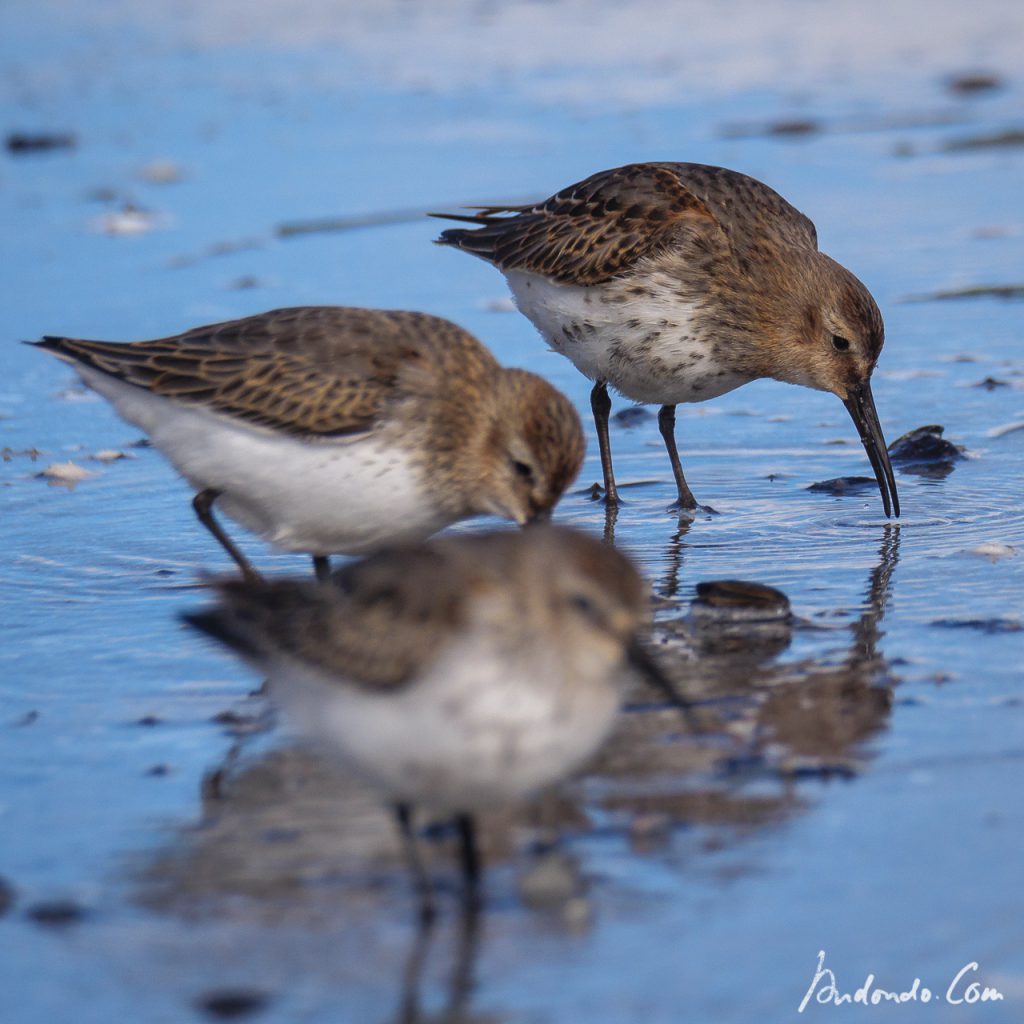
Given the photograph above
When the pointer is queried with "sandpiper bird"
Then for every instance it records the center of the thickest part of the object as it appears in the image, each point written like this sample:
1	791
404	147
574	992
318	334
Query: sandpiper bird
329	429
454	675
678	282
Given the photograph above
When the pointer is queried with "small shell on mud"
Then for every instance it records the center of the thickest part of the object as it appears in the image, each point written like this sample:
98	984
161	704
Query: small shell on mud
162	172
65	474
109	455
994	551
129	220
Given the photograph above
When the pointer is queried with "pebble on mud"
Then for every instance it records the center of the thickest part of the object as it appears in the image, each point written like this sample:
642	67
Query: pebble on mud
64	474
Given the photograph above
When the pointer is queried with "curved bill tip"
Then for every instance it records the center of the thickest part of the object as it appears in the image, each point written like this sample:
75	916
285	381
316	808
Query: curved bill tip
861	406
644	664
537	517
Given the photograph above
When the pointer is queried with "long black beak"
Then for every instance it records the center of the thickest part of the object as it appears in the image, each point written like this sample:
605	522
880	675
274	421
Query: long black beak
861	406
640	660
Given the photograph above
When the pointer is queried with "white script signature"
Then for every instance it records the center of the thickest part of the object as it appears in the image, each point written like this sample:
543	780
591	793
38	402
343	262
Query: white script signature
960	991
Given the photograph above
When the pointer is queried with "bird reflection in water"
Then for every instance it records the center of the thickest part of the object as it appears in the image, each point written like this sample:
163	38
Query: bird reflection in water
299	840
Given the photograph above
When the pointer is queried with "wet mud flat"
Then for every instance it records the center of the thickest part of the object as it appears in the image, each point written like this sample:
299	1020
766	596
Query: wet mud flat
167	854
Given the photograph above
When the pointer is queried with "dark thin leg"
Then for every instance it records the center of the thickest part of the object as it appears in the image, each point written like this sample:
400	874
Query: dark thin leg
410	1011
203	504
601	406
469	858
460	986
322	568
667	426
420	878
466	952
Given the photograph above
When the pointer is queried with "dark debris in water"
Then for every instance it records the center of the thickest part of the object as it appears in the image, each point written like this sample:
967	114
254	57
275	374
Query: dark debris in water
1009	139
990	627
842	485
925	452
595	492
7	454
822	771
977	291
57	913
974	83
808	127
631	416
7	896
238	723
233	1004
23	143
741	594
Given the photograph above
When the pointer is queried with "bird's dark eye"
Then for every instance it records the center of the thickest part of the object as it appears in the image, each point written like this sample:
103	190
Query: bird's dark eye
840	344
523	470
583	604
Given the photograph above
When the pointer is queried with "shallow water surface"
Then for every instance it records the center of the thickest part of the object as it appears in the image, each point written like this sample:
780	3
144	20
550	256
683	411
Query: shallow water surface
856	789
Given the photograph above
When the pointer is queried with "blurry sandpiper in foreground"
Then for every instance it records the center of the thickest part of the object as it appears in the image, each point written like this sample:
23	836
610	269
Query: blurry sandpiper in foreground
677	282
455	675
330	429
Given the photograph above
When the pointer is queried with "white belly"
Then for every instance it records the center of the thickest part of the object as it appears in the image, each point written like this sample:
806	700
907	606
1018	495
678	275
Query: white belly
649	347
320	497
471	733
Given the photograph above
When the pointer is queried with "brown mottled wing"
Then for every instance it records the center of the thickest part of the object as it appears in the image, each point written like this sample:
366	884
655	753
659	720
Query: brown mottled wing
312	371
749	211
590	231
383	619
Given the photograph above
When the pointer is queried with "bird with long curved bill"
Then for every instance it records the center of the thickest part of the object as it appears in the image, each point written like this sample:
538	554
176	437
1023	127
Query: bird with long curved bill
676	282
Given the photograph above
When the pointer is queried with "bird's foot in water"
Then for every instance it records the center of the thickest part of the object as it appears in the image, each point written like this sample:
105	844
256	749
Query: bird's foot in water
686	511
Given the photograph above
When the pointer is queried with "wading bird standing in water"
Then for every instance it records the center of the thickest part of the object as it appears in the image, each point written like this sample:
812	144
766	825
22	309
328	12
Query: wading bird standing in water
327	429
677	282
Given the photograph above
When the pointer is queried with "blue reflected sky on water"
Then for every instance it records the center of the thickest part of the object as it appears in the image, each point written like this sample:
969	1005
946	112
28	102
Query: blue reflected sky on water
911	869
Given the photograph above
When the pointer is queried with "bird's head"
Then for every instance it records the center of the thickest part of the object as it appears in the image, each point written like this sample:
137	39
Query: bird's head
535	448
833	336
